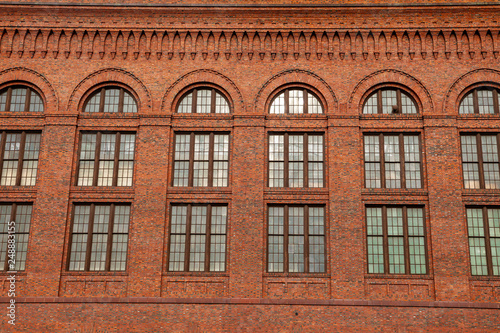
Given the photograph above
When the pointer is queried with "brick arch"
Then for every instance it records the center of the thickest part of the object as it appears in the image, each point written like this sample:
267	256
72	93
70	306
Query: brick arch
111	75
199	77
295	76
386	78
37	80
463	84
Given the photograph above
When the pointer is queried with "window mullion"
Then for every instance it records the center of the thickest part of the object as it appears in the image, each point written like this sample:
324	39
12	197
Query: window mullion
9	97
110	237
382	160
212	101
101	100
286	160
487	244
20	159
188	238
399	102
97	158
386	240
285	240
306	238
495	101
402	160
306	102
89	238
207	238
475	101
194	99
117	160
306	160
27	101
120	100
211	159
480	160
287	104
379	102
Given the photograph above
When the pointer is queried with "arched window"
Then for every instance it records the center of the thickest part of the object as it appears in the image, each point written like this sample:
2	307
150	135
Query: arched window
111	99
481	100
295	101
203	100
20	99
389	101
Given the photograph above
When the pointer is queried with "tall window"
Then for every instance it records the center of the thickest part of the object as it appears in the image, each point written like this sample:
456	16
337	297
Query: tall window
483	226
20	99
198	238
483	100
396	241
480	161
296	160
106	159
15	222
111	99
296	239
19	158
203	100
201	159
393	164
389	101
99	238
295	101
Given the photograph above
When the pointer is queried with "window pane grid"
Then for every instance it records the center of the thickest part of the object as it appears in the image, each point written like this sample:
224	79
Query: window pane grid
20	159
106	159
111	100
299	230
99	238
396	240
483	227
482	100
389	101
20	99
198	238
204	100
480	161
295	101
19	232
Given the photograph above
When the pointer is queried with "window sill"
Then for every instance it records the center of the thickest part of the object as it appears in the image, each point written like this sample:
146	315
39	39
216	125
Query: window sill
394	191
200	190
480	192
196	274
297	275
295	190
94	273
108	115
398	277
16	273
219	116
8	114
101	189
493	278
478	116
392	116
321	116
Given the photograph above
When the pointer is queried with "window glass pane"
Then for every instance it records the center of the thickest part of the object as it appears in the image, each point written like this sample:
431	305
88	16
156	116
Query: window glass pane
389	101
313	104
392	159
467	105
129	104
3	100
416	241
181	164
201	157
94	103
221	105
185	106
278	105
485	102
276	158
407	104
36	103
371	105
18	100
296	101
296	158
198	238
412	159
220	163
203	101
395	240
111	100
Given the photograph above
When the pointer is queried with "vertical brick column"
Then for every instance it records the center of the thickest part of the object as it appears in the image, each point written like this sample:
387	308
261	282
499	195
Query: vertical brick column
448	234
345	210
247	218
49	220
147	227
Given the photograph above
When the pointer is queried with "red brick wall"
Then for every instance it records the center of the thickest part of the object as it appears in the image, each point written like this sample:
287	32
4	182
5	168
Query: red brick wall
342	54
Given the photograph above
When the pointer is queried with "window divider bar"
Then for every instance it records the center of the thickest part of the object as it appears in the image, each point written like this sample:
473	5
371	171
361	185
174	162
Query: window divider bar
306	161
89	237
188	238
110	237
120	100
194	99
212	101
20	159
191	159
101	100
286	180
406	244
117	160
306	239
495	102
487	243
306	101
211	144
208	238
386	240
285	240
287	106
475	101
27	101
402	161
379	102
9	97
2	151
382	160
479	143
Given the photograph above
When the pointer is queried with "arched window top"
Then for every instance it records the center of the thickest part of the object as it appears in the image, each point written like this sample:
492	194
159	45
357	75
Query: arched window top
390	101
481	100
111	99
296	101
203	100
19	98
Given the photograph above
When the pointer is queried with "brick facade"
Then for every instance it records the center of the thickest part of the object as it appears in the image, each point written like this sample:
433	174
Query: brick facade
343	52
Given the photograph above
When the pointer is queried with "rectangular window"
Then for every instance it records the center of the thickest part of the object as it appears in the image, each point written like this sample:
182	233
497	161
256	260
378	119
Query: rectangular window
198	238
396	241
393	164
483	226
99	238
19	158
18	231
201	159
296	160
296	239
480	161
106	159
